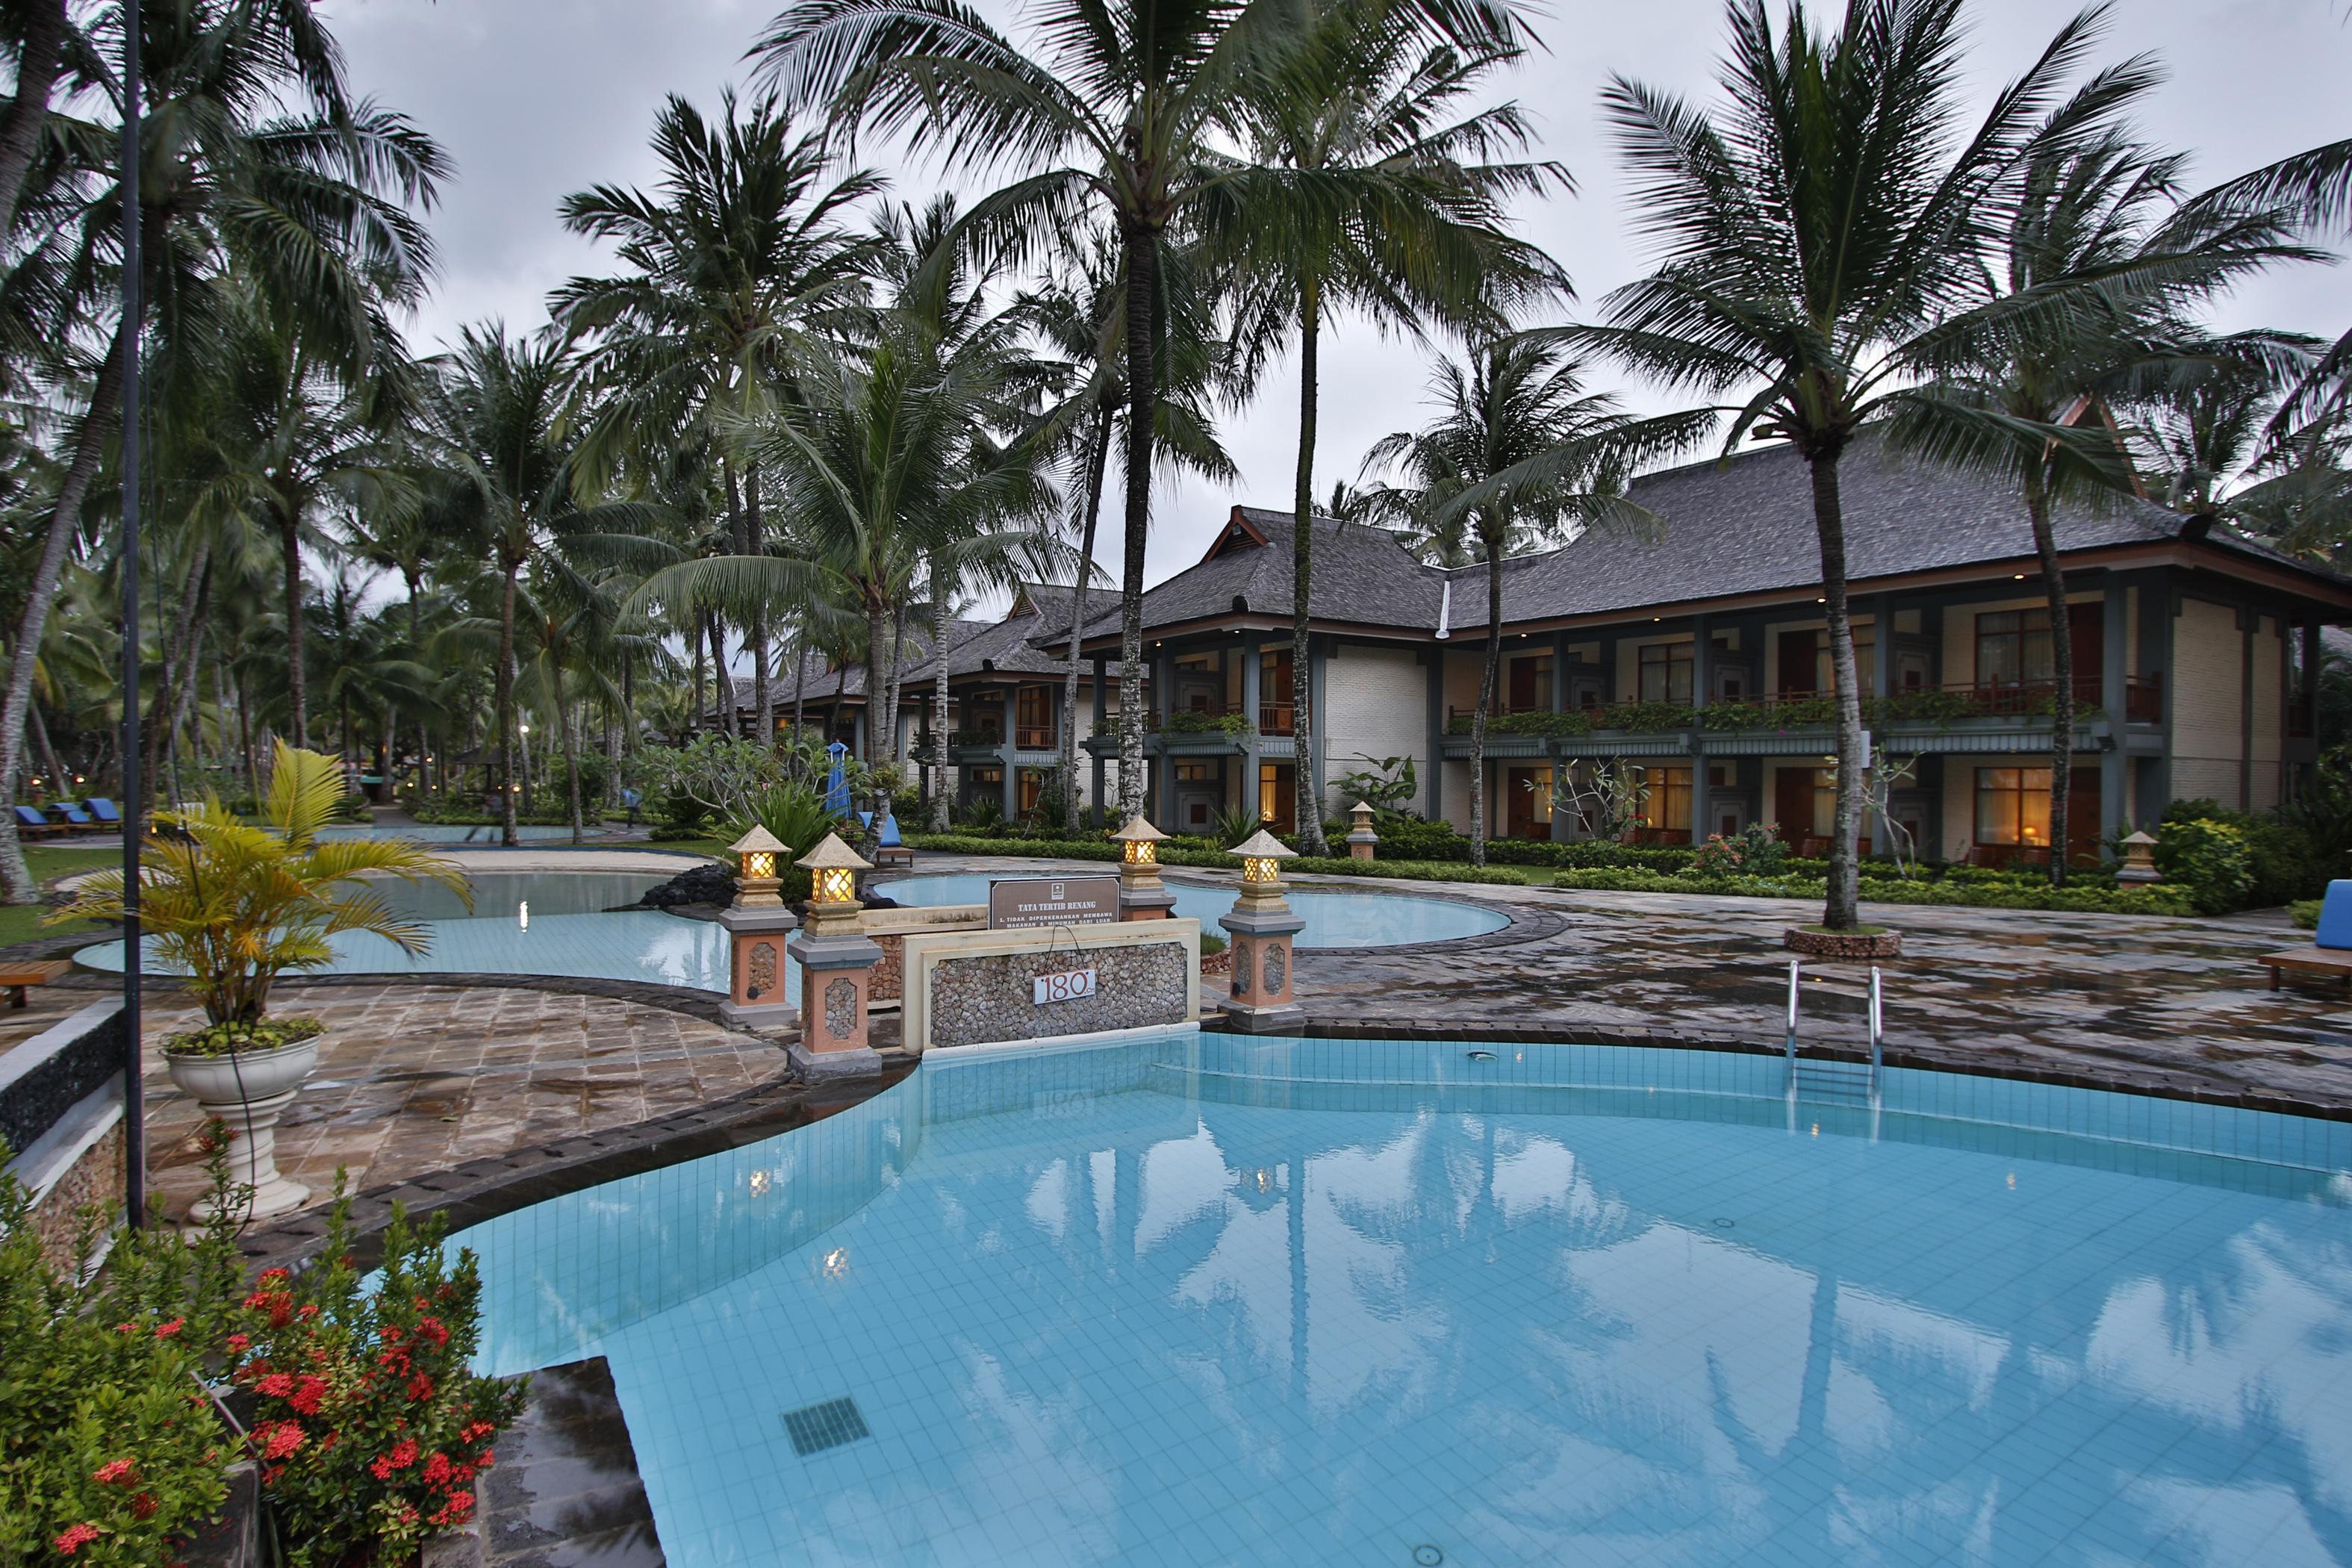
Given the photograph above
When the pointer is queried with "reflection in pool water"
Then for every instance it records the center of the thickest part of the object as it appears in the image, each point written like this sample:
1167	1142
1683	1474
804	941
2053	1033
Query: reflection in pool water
565	936
1212	1300
1333	919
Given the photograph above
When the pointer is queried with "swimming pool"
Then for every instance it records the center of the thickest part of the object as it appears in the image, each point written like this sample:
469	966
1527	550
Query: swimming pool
1333	919
1209	1299
565	936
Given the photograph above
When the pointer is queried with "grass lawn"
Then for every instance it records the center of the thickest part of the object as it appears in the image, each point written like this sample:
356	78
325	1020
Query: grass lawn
23	923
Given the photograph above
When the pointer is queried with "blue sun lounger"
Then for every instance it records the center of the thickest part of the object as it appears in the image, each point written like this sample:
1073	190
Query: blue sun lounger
31	824
104	810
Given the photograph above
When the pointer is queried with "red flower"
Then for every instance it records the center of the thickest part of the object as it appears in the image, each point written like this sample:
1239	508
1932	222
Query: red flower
309	1392
115	1472
126	1328
389	1334
438	1470
239	1342
486	1458
165	1331
279	1314
432	1329
277	1384
401	1456
75	1538
143	1505
278	1438
272	1277
307	1313
420	1388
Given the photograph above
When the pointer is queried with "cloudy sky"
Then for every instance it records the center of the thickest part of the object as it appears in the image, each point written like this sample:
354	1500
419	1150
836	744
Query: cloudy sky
534	98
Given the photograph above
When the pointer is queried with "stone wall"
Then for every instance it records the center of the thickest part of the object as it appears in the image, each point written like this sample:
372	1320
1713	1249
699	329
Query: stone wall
96	1177
988	998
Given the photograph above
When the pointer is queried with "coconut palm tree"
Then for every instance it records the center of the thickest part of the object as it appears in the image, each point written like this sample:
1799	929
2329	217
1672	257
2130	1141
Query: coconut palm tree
1125	118
2104	217
256	162
1822	237
1394	209
739	253
1519	451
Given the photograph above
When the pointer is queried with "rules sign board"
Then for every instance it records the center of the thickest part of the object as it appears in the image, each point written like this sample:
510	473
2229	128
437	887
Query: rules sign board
1029	903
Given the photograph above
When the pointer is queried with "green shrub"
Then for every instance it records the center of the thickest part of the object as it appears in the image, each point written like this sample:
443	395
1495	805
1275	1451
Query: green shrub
1191	724
2284	863
2211	859
2304	912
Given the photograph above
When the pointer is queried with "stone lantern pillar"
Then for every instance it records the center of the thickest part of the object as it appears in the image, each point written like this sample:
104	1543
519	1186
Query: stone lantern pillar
2139	861
1360	836
757	926
1142	896
837	968
1261	927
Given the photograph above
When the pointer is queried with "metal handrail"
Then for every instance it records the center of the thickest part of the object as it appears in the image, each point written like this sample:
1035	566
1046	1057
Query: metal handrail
1789	1047
1878	1027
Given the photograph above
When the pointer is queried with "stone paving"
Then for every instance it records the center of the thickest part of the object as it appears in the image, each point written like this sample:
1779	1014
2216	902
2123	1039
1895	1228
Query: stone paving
412	1079
2174	1005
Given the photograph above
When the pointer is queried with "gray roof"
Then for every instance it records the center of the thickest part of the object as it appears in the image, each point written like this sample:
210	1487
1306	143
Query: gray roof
1363	575
975	647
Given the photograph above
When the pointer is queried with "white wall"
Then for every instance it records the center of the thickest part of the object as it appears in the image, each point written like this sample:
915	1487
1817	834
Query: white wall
2267	775
1376	705
2208	701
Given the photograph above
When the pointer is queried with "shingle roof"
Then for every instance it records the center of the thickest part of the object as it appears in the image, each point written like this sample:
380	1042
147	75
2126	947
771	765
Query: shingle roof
1008	645
1364	575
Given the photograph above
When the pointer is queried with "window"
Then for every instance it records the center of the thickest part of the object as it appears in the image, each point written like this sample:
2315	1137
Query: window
1028	787
1033	717
2013	805
1528	689
1667	672
1670	800
1277	795
1194	772
2012	645
977	777
1276	679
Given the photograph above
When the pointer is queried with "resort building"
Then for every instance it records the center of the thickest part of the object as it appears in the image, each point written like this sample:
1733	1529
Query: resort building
1696	652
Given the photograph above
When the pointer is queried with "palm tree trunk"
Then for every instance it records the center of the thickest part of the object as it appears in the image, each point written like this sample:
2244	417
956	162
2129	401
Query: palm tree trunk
1842	909
502	706
694	640
898	680
878	716
1305	776
722	679
1097	459
58	776
1141	244
2062	672
64	518
800	687
763	698
570	753
942	634
289	544
39	54
244	737
1487	678
178	664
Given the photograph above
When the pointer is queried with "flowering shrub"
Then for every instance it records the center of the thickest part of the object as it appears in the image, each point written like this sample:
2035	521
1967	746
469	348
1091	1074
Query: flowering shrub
110	1448
1755	850
369	1427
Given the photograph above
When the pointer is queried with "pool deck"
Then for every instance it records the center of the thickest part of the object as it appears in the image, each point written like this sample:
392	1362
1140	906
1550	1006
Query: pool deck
420	1077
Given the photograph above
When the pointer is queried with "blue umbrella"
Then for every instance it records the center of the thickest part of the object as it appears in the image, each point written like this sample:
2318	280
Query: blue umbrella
836	780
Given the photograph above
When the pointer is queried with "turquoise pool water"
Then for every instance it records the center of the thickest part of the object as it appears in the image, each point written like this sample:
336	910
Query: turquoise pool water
1210	1301
1333	920
565	936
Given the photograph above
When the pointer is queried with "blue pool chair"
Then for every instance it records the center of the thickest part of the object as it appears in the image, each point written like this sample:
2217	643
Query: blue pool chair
890	849
31	824
104	810
2336	917
77	820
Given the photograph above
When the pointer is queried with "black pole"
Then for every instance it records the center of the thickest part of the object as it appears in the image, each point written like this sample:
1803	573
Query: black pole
134	803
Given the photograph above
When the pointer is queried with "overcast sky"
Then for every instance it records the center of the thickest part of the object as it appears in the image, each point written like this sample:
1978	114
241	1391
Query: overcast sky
534	98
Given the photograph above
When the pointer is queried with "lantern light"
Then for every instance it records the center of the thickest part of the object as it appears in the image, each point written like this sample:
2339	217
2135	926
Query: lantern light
1262	856
1139	842
833	868
758	884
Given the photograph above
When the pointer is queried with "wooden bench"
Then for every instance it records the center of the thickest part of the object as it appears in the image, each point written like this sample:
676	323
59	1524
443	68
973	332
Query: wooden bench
16	978
2312	960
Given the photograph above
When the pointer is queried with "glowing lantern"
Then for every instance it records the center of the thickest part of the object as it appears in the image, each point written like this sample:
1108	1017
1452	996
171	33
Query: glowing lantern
833	868
1262	856
1139	843
1141	895
758	884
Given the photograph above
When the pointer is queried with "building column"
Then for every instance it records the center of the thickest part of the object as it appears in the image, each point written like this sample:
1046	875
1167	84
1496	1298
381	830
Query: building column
2248	622
1007	751
2115	696
1102	714
1560	672
1701	687
1433	765
1252	700
2160	601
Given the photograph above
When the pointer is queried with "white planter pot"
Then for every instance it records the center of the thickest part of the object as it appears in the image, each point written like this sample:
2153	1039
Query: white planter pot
249	1091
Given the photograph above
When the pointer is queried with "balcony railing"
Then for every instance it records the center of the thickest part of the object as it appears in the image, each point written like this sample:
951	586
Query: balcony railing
1276	719
2142	704
1032	737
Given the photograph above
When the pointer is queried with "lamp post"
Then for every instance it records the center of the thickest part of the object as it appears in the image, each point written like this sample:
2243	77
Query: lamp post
1261	928
1141	894
2138	868
756	924
1360	836
837	968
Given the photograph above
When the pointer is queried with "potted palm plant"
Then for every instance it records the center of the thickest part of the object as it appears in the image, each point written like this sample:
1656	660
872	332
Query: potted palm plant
233	905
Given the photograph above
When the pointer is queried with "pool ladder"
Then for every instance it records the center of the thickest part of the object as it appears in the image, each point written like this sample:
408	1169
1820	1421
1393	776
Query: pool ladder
1828	1078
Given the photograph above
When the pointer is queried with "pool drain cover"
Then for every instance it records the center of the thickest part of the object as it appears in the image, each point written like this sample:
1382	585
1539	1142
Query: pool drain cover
1427	1556
816	1427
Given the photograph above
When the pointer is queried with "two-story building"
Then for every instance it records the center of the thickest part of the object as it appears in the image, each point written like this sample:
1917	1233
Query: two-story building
1696	653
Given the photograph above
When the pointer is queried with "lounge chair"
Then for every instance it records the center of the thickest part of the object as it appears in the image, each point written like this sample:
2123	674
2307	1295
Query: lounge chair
104	811
2330	951
77	820
890	849
31	824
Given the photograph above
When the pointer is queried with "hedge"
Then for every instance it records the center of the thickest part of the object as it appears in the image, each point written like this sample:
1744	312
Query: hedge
1305	865
1972	894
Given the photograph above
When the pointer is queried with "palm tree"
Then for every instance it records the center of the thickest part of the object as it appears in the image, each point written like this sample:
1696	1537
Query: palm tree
257	162
2103	216
1391	209
741	254
1519	451
39	31
1124	118
1823	239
